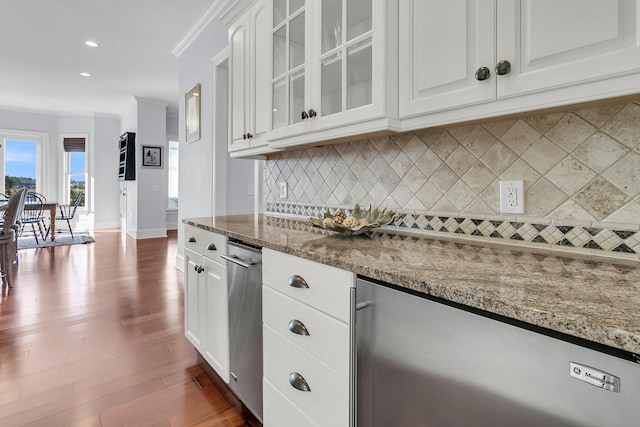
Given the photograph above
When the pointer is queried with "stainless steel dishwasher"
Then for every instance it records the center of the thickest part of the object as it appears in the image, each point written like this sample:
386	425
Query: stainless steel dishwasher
427	362
245	323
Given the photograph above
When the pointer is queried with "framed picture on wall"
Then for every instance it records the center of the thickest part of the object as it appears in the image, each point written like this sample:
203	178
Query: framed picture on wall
151	156
192	113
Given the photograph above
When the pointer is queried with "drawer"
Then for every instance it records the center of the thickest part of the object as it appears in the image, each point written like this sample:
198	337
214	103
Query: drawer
328	338
327	402
280	411
328	287
205	242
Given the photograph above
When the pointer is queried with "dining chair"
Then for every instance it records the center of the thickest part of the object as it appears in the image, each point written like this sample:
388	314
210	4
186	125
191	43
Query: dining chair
68	212
8	244
34	215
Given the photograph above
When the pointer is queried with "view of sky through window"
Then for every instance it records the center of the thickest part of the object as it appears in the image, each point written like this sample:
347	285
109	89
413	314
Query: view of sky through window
20	158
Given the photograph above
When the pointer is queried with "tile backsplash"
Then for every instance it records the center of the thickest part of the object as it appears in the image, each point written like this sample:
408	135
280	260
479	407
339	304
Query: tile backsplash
581	171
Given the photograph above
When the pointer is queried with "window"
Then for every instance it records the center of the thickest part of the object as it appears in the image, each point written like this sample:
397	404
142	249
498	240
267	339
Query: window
172	179
21	161
75	165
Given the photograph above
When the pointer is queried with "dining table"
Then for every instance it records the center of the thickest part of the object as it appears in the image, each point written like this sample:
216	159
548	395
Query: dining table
52	207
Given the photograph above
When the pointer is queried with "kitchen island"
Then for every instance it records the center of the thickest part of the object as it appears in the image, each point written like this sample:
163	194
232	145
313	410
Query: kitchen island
597	300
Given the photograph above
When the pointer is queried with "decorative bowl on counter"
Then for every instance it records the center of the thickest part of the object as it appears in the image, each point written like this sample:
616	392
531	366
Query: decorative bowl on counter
359	222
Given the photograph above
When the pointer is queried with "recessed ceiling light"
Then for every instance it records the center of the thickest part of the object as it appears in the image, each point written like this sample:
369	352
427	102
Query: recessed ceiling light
91	43
85	74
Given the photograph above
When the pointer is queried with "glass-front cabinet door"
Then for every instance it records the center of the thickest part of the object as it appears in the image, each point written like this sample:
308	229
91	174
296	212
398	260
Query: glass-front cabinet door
346	55
330	65
289	84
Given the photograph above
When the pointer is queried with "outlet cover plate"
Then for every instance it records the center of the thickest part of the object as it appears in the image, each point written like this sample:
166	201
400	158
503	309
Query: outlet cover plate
512	197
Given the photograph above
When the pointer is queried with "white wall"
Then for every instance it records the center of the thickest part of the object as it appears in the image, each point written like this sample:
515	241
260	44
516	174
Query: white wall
151	181
196	170
199	159
129	123
104	172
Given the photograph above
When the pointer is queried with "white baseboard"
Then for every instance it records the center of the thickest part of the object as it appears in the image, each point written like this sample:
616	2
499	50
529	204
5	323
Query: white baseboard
106	225
148	234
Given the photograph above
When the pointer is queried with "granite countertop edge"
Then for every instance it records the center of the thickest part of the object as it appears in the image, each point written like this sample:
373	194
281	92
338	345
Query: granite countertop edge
560	321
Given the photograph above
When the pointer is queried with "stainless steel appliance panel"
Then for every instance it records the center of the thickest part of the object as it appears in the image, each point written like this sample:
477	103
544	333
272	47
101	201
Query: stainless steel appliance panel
245	324
424	363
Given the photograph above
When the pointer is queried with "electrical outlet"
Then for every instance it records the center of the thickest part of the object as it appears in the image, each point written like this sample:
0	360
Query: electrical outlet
283	190
512	197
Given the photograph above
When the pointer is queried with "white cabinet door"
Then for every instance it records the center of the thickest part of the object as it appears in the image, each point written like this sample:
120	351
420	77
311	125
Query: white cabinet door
206	314
441	47
193	288
238	83
249	78
290	71
332	67
555	43
216	316
538	54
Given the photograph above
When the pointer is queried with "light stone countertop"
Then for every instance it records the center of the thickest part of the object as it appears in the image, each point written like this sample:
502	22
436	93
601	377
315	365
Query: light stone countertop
597	300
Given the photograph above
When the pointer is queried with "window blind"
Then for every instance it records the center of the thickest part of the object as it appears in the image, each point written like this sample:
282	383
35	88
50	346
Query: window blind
72	145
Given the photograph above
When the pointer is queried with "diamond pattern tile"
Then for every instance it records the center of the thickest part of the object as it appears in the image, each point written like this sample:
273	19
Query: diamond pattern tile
578	165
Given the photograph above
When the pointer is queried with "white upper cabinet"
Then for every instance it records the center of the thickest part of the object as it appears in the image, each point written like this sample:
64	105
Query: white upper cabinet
553	43
330	68
249	79
442	45
521	55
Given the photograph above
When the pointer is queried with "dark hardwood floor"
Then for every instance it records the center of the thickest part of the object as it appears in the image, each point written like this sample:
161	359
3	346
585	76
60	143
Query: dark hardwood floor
92	335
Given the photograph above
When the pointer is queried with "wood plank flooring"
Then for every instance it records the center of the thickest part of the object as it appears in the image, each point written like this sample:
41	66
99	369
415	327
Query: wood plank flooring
92	335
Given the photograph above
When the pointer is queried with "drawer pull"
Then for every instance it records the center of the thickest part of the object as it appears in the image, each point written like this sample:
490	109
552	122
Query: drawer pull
297	327
192	239
212	247
298	282
298	382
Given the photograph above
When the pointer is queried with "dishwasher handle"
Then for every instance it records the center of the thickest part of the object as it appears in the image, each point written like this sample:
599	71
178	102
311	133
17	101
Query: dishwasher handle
234	259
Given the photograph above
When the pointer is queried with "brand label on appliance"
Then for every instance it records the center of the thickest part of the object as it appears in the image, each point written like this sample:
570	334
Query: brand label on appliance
595	377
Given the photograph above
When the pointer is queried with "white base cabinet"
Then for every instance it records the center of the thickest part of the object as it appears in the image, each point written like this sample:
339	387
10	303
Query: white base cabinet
306	312
206	297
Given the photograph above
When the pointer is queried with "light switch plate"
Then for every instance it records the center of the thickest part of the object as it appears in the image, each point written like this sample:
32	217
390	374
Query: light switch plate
512	197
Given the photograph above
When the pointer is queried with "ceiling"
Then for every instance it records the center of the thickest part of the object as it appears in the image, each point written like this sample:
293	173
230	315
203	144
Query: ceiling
42	53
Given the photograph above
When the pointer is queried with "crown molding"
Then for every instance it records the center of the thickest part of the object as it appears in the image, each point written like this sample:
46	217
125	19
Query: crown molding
10	109
217	8
151	101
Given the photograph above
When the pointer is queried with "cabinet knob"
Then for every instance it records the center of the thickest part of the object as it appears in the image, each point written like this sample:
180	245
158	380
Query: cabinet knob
312	112
244	136
297	327
249	136
198	269
296	281
482	73
298	382
192	239
212	247
304	115
503	67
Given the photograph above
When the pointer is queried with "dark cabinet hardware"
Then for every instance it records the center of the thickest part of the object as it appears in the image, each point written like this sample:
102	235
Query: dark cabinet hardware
503	67
482	73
